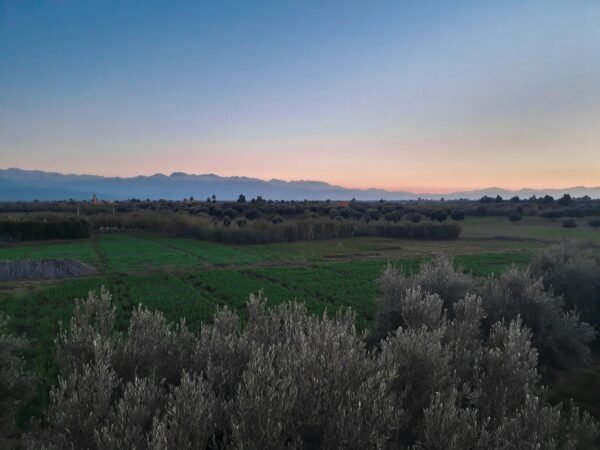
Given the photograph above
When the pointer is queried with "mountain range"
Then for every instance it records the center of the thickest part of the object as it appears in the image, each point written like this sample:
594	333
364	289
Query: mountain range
19	184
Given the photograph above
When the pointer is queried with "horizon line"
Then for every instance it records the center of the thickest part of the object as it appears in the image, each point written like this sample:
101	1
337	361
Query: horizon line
441	191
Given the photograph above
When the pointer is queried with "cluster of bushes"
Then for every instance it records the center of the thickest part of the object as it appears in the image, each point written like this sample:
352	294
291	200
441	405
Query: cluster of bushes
16	386
262	232
514	216
565	200
569	224
35	230
422	230
229	212
447	378
557	333
245	231
572	270
232	213
558	213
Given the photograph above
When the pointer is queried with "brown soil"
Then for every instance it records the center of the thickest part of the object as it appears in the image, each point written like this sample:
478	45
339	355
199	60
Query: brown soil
44	269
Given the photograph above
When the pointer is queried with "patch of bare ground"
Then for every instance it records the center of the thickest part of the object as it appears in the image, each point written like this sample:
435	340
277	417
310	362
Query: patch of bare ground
45	269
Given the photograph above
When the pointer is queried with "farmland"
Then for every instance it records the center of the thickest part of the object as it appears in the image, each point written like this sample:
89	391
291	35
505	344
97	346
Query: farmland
188	277
192	278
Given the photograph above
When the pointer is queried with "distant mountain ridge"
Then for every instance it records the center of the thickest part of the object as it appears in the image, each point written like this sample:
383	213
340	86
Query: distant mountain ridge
19	184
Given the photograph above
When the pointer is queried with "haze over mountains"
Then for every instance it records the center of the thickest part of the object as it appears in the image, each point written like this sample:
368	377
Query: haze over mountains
18	184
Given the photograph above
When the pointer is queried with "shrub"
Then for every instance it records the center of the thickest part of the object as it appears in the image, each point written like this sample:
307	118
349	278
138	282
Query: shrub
253	214
190	417
572	270
594	223
131	417
569	224
561	339
457	215
373	214
514	216
91	325
290	379
215	211
415	231
231	212
553	214
548	199
16	386
35	230
440	215
481	211
565	200
397	289
441	277
394	216
575	212
414	217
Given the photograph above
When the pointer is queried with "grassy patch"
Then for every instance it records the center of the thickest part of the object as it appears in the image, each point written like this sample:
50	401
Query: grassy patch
80	250
332	286
195	292
492	263
528	228
582	232
209	252
128	253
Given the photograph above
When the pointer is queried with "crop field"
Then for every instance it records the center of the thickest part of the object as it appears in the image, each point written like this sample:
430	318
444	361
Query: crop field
81	251
191	278
536	228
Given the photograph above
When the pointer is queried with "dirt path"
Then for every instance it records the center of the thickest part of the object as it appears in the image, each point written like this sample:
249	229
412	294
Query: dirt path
100	254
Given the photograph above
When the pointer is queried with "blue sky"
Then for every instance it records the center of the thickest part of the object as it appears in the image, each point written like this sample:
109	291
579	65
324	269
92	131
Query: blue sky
417	95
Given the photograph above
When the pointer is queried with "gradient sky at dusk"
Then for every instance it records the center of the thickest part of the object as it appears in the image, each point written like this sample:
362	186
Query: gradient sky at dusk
424	96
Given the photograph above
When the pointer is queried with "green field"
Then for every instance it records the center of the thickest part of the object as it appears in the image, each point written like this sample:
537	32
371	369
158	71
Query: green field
191	278
187	277
81	251
536	228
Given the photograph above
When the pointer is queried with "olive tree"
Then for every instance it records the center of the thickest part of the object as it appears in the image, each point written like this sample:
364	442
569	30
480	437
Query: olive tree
290	379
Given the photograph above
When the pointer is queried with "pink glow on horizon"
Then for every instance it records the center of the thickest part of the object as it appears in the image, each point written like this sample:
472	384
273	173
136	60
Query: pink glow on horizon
414	188
438	165
399	97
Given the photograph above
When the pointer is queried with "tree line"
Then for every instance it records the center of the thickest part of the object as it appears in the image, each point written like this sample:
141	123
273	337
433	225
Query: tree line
44	229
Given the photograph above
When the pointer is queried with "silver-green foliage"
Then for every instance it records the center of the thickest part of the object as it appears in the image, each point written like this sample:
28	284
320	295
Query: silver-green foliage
289	379
558	334
572	269
560	337
16	385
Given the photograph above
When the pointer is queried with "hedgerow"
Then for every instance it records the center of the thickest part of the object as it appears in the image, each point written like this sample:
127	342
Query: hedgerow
35	230
277	229
290	379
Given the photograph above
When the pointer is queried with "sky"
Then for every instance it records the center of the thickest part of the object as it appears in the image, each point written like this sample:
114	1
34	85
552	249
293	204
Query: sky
427	96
